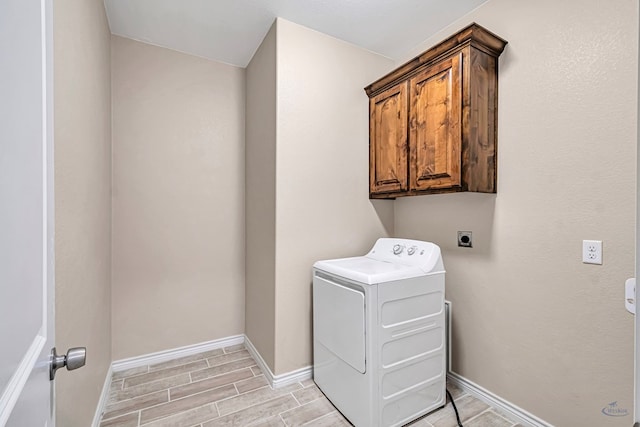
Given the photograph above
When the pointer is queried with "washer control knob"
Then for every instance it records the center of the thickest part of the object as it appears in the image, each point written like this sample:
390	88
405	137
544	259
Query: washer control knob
412	250
397	249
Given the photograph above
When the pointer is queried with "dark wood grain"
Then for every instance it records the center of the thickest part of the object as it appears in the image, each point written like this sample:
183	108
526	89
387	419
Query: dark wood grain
480	142
433	123
388	140
435	126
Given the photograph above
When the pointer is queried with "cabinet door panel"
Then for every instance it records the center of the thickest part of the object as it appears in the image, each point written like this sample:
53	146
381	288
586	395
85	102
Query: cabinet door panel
388	141
435	131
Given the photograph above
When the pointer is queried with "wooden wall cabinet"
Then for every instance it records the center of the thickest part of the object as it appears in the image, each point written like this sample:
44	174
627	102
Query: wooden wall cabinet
433	121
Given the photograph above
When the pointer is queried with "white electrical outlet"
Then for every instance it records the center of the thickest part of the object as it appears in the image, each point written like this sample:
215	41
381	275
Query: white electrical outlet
592	251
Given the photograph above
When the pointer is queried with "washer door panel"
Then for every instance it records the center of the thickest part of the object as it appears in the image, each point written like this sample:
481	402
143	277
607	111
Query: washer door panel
340	321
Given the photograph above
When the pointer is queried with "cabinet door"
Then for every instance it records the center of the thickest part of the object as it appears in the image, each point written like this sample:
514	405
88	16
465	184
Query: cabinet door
435	128
388	141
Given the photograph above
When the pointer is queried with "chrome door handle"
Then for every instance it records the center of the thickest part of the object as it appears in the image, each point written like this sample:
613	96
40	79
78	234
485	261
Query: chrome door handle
75	358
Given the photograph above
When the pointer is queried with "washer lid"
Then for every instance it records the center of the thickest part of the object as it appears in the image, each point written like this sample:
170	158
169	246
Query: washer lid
366	270
390	259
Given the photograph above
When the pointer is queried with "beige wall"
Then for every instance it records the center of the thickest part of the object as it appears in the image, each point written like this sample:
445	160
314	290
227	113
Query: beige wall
322	205
178	199
260	199
531	322
82	133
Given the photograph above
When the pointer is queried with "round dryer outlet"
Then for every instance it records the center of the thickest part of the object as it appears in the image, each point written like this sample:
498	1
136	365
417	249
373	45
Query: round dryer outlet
464	239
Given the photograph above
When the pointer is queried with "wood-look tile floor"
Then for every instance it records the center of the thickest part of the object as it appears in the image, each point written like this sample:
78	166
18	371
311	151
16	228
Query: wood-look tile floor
225	387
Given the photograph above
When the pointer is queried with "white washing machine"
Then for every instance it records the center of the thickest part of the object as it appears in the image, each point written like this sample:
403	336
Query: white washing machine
379	332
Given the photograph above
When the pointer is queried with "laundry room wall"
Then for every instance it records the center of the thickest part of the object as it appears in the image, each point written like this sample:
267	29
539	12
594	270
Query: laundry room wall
260	199
322	205
178	199
82	144
531	322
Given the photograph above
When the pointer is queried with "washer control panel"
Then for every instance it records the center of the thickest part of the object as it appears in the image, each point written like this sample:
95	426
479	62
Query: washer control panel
399	249
403	251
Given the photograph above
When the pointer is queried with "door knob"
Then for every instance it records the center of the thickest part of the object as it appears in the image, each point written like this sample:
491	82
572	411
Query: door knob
75	358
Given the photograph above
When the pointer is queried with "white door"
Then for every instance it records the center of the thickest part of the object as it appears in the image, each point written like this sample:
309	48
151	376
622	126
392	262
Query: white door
26	213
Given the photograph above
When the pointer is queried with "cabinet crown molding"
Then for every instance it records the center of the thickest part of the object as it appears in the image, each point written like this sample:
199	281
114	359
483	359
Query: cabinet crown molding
472	35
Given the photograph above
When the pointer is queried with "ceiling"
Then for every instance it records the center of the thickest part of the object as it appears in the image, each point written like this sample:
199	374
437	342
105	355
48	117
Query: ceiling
230	31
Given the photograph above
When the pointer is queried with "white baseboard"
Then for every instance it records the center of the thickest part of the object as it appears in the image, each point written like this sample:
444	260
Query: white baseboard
158	357
301	374
275	381
281	380
512	411
166	355
104	397
259	360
